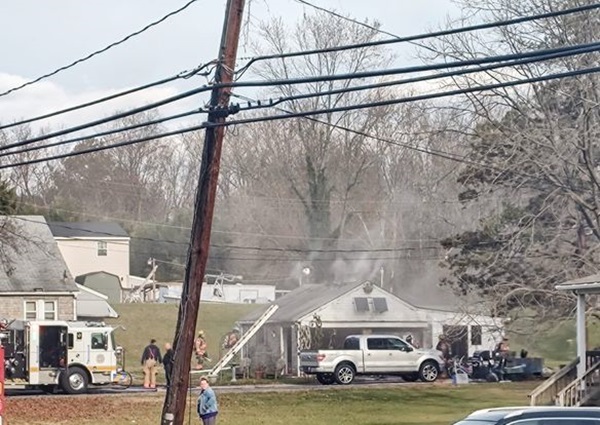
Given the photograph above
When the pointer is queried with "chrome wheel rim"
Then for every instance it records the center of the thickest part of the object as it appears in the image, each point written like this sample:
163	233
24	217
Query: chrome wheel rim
345	375
76	381
430	373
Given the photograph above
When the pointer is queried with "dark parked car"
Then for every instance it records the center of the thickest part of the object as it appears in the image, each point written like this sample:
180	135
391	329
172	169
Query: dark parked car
534	416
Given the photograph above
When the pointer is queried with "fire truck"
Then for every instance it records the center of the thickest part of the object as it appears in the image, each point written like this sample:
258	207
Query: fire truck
54	354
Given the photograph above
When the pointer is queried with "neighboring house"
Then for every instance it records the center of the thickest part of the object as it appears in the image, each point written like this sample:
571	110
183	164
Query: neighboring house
92	306
89	247
35	282
321	316
107	284
235	293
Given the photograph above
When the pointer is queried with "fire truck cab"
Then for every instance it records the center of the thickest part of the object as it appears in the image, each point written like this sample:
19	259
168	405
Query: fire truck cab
49	354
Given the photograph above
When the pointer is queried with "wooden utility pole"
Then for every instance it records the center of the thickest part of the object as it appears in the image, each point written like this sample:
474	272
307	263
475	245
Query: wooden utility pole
174	406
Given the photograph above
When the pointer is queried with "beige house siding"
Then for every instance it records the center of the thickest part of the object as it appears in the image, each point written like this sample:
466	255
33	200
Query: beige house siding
81	256
13	306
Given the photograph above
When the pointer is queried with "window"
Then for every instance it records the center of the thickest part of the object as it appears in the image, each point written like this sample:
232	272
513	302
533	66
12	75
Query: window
396	344
380	305
361	304
102	249
378	344
49	310
476	335
30	310
352	344
98	341
70	341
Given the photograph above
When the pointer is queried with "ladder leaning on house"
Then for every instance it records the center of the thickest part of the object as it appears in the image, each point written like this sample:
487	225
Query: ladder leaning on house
565	389
242	341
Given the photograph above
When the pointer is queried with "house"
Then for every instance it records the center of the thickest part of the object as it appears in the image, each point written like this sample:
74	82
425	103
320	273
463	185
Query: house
89	247
93	306
321	316
226	292
35	282
107	284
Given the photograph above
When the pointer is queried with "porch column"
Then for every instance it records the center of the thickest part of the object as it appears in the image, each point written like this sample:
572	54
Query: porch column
581	335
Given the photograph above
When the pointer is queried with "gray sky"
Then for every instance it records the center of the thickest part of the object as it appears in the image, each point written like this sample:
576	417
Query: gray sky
44	35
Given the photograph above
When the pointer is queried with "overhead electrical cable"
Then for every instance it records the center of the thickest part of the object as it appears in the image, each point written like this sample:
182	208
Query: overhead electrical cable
388	102
592	47
104	133
97	52
424	36
184	74
554	52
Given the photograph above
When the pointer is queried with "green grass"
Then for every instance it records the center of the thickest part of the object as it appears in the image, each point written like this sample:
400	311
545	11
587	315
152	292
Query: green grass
554	341
146	321
439	404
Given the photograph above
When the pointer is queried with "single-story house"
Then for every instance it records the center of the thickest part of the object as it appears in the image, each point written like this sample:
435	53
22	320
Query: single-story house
35	282
105	283
89	247
235	293
93	306
321	316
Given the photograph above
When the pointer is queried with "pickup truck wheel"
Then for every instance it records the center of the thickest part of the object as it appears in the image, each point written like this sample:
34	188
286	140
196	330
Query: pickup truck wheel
326	378
410	377
429	371
344	374
74	381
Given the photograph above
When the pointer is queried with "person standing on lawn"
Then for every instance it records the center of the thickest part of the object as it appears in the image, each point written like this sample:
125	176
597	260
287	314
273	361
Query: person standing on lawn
150	360
168	363
207	403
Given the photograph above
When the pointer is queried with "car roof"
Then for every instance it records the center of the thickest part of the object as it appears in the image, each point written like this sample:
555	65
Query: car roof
496	414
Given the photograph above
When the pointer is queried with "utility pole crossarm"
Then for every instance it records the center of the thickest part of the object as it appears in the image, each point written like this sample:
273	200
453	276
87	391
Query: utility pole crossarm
174	406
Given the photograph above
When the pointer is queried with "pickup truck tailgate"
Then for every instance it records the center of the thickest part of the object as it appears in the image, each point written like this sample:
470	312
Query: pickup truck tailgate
309	359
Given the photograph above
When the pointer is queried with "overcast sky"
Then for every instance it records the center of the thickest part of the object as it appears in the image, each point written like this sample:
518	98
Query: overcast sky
39	36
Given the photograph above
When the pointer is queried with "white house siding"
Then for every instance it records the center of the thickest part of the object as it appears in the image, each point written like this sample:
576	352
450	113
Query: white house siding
81	256
236	294
491	329
341	312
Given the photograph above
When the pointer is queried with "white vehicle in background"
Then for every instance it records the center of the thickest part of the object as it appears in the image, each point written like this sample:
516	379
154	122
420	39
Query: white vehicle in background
372	355
49	354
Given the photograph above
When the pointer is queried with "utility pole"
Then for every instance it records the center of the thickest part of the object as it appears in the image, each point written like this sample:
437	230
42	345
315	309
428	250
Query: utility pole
174	406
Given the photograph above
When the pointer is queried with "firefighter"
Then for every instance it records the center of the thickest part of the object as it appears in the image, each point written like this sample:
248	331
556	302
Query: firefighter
151	358
200	351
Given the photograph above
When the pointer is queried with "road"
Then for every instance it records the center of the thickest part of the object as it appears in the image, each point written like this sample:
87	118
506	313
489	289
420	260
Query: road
388	382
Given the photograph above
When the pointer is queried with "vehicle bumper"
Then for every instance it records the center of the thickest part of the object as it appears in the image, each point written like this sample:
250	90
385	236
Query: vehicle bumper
311	370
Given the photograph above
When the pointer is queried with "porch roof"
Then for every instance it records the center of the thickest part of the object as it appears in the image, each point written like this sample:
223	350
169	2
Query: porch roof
588	284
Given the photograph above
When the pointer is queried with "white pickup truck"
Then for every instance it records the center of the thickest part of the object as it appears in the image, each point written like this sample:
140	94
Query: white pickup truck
372	355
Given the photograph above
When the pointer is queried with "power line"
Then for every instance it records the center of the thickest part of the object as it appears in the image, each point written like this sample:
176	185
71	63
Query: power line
268	118
556	53
517	58
424	36
97	52
183	74
103	133
345	18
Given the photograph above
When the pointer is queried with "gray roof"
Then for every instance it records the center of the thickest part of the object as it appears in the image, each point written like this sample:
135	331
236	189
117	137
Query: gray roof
62	229
30	260
93	304
302	301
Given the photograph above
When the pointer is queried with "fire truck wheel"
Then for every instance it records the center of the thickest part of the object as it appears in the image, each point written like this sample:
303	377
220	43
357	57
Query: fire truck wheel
74	381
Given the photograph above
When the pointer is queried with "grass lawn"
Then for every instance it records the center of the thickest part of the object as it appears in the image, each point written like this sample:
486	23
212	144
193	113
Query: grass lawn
409	405
146	321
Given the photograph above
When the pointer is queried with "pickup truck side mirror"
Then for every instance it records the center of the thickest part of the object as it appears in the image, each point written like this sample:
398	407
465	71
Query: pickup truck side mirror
406	349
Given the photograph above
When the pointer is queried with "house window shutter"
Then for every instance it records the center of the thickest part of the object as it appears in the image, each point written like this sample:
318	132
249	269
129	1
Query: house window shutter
380	305
361	304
